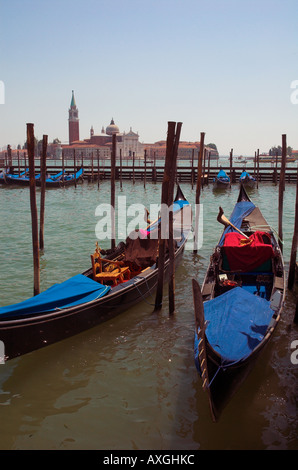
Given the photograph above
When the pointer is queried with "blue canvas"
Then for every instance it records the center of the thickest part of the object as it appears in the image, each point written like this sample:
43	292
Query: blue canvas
75	291
241	210
237	322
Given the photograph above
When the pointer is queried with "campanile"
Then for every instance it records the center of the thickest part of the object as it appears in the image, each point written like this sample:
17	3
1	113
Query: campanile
73	121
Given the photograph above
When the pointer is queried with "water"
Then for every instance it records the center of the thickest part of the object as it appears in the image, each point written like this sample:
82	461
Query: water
131	383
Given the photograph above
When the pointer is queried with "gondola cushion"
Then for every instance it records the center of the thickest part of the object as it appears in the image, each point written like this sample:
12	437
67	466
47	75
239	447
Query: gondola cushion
244	255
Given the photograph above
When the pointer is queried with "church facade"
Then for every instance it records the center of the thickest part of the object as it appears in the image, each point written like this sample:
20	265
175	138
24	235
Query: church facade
128	144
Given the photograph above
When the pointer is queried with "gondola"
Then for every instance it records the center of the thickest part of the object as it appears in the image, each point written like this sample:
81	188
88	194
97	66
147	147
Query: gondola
8	173
62	179
247	179
22	180
113	283
222	180
55	181
240	303
3	177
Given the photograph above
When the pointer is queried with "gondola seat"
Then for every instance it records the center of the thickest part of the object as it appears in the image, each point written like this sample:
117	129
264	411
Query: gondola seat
116	276
244	255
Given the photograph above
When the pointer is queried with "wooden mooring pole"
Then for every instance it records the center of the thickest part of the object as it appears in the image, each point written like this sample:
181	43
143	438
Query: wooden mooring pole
120	168
33	206
292	267
92	167
9	157
97	169
204	167
198	192
154	169
192	168
74	165
281	189
275	168
231	167
169	172
43	171
113	165
171	217
208	175
258	167
145	167
63	167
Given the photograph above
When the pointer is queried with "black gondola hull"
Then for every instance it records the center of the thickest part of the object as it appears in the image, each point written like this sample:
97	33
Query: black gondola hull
25	181
221	184
224	381
248	182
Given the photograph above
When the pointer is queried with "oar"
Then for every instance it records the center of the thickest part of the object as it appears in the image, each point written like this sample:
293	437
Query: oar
221	218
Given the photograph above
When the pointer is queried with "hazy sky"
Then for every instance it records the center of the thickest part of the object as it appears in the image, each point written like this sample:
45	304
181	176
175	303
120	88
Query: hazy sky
220	67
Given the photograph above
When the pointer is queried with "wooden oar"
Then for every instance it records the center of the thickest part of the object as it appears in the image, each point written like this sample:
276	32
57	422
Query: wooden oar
221	218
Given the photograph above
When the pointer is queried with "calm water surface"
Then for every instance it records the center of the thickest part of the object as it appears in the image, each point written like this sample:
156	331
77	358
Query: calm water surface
131	383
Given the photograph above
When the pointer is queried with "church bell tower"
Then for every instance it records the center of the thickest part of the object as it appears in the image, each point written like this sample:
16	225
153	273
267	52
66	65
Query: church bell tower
73	121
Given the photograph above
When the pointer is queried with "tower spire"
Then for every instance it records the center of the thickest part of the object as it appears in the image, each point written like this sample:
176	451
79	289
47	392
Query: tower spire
73	120
73	101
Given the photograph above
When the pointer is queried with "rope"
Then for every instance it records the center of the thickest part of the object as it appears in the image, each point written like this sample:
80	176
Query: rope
226	366
148	289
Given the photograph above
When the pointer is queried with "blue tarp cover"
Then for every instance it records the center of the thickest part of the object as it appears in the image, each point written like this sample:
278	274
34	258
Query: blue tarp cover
244	174
238	321
222	174
67	177
54	177
241	210
21	178
75	291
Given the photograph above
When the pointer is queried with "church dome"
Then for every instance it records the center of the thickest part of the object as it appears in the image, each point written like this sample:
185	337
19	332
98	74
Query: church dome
112	128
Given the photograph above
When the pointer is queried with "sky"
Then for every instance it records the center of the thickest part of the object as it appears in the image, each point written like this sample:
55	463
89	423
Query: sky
222	67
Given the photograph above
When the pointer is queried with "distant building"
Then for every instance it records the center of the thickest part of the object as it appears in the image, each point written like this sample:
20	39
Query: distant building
130	145
10	156
99	144
185	150
73	121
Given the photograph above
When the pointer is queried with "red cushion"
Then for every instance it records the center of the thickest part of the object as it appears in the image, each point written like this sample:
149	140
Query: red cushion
247	254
